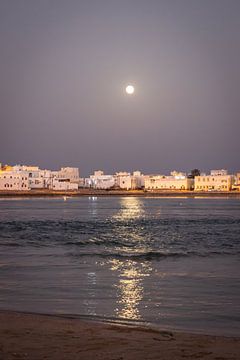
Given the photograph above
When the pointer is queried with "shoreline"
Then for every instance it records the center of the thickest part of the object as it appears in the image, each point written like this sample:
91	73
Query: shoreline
106	193
36	336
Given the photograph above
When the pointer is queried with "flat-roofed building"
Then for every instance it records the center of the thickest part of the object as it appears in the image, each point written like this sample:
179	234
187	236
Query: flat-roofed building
214	182
69	173
178	174
236	185
123	180
63	185
100	181
137	181
28	168
218	172
161	182
38	179
14	180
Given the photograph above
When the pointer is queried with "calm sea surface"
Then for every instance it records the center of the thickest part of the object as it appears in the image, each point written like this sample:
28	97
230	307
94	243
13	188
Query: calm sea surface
170	262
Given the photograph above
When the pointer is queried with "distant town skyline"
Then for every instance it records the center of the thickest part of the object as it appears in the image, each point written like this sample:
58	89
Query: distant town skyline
185	172
65	66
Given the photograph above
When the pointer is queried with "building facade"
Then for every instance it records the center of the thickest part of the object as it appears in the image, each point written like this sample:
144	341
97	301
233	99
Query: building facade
161	182
213	183
100	181
236	185
14	180
63	185
69	173
123	180
137	180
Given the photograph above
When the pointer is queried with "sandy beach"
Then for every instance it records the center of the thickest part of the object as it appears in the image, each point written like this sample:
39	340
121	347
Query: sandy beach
32	336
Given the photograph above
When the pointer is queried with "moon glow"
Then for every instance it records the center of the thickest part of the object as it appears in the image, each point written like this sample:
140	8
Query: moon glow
130	89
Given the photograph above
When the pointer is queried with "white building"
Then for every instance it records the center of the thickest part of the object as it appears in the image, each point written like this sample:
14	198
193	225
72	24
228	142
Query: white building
23	177
69	173
67	178
218	172
123	180
45	179
100	181
137	180
178	174
63	185
38	179
14	180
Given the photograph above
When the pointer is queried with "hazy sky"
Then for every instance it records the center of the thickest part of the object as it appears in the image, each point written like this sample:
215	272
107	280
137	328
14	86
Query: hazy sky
64	66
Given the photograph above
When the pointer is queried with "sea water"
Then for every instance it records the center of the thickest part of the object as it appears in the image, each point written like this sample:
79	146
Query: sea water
168	262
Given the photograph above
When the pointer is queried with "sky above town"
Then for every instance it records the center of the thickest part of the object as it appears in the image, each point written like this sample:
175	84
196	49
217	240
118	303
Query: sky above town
64	66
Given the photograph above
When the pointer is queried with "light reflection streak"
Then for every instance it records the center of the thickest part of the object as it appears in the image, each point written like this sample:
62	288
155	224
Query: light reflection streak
131	273
131	209
133	241
130	288
90	303
93	209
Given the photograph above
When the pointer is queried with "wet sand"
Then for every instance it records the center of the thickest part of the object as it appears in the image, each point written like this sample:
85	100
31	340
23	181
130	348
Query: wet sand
38	337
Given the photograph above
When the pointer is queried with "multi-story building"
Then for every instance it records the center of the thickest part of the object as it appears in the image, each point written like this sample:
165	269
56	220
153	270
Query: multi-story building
222	172
70	173
38	179
161	182
14	180
236	184
67	178
218	180
178	174
100	181
137	180
63	185
47	179
123	180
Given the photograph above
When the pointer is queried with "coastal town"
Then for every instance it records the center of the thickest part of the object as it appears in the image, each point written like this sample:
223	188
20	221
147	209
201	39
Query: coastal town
29	178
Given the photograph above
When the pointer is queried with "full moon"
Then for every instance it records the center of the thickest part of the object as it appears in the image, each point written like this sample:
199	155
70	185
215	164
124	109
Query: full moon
130	89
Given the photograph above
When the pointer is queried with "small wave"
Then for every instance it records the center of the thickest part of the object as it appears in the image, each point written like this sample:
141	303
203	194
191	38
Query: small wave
174	237
150	255
10	244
